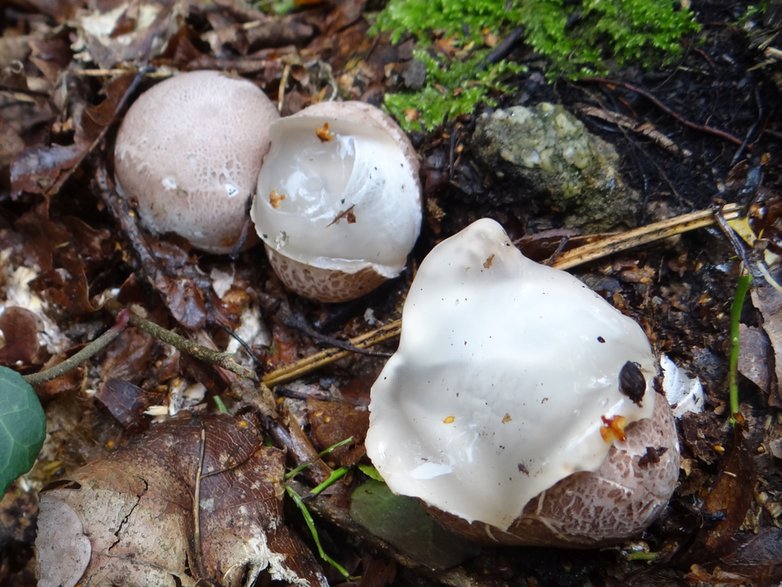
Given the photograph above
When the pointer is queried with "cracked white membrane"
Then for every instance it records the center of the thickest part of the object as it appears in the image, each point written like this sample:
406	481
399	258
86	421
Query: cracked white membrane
506	372
338	202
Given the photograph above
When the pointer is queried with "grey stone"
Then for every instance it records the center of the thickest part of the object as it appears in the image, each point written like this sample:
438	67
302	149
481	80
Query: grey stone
558	162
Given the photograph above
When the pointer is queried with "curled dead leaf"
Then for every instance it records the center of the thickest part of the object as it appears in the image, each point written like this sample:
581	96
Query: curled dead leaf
191	500
19	329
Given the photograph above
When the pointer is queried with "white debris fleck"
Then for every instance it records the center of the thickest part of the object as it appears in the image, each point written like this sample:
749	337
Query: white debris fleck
18	293
252	330
683	393
221	281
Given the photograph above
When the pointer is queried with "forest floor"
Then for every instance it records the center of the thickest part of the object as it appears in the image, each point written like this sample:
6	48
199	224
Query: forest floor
718	110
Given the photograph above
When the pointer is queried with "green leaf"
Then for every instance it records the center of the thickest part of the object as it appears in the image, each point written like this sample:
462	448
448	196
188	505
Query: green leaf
22	426
403	522
370	472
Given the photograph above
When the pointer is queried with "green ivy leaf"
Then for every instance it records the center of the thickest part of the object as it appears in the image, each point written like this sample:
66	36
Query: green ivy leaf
22	426
403	522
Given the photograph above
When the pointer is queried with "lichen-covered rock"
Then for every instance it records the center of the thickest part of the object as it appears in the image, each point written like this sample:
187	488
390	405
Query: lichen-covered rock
557	161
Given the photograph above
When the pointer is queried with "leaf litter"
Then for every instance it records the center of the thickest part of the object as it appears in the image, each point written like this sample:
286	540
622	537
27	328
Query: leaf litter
67	72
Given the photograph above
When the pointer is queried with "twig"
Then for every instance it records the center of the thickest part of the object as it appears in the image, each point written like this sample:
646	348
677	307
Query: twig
197	505
567	260
675	115
300	323
202	353
83	355
645	129
327	356
642	236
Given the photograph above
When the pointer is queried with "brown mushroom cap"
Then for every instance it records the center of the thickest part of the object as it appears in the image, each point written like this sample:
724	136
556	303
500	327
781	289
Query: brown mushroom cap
188	155
590	509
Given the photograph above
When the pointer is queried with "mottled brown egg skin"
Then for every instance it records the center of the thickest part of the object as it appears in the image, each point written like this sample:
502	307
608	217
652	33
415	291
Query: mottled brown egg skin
188	154
594	509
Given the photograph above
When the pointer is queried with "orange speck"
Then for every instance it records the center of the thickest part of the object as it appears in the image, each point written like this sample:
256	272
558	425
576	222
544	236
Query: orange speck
449	420
243	424
324	134
506	418
276	198
488	262
613	428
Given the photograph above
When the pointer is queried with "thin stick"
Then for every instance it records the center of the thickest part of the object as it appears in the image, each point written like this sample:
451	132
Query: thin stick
327	356
642	236
569	259
197	504
83	355
657	102
202	353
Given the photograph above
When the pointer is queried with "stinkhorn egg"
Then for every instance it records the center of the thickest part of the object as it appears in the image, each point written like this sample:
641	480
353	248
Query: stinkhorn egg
338	201
520	405
188	154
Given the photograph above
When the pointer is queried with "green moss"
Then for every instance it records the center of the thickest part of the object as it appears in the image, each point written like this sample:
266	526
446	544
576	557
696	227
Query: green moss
576	38
605	34
464	19
450	90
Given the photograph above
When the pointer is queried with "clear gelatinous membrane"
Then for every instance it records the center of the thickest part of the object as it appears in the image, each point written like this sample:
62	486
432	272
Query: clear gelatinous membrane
337	194
506	373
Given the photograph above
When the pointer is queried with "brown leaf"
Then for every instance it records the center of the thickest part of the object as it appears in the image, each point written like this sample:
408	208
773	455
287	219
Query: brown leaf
57	9
20	332
758	559
727	503
137	509
184	300
130	31
127	402
768	301
51	55
755	362
334	421
45	169
38	169
66	287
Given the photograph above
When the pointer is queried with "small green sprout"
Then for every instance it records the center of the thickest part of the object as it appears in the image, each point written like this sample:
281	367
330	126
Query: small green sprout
335	476
745	280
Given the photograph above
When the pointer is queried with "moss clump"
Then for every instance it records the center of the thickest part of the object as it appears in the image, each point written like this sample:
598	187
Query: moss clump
450	90
576	38
586	38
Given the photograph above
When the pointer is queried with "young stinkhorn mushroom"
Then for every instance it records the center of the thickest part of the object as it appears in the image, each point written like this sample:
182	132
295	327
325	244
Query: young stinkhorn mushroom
338	203
188	155
520	405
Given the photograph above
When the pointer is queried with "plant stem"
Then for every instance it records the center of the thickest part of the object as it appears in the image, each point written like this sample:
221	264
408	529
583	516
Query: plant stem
125	317
735	320
202	353
310	522
84	354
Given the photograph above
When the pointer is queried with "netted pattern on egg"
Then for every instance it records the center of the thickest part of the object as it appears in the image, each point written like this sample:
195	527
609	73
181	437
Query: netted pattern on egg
600	508
323	285
618	500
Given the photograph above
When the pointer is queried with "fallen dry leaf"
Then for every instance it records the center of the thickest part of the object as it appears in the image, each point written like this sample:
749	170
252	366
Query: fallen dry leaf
769	302
191	500
19	328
